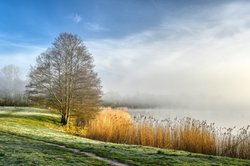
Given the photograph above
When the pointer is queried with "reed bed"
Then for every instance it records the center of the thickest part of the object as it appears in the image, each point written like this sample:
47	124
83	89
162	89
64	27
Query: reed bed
116	125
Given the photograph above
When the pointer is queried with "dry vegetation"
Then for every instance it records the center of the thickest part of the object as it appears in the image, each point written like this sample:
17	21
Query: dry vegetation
111	126
183	134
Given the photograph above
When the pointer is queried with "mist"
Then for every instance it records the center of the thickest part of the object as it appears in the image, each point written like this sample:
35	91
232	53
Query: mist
195	61
12	87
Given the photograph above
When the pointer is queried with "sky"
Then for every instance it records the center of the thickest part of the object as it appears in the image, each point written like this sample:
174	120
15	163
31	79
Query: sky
194	53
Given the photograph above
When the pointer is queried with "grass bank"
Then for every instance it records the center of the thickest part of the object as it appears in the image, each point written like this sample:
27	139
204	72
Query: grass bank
23	129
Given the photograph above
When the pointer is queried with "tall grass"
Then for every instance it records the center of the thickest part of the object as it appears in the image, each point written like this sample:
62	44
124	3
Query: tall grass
182	134
111	126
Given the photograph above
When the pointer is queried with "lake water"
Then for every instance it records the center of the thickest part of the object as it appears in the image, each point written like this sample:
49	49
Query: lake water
220	118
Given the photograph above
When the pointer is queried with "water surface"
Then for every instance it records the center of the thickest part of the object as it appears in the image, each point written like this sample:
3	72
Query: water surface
220	118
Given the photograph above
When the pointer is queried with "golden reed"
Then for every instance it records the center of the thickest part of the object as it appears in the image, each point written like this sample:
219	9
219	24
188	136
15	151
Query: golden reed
117	126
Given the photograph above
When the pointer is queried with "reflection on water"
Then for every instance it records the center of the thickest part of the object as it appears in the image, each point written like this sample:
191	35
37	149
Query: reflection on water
220	118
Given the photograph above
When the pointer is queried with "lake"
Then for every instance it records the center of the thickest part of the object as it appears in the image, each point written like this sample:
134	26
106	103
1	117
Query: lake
220	118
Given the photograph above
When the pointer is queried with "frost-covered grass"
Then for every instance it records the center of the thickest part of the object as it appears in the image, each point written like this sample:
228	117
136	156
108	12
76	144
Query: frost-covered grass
16	150
23	127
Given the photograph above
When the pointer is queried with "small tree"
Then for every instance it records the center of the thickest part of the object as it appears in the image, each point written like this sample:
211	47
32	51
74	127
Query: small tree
63	78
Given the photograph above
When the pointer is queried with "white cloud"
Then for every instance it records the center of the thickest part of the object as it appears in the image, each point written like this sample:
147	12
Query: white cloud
76	18
23	55
95	27
193	61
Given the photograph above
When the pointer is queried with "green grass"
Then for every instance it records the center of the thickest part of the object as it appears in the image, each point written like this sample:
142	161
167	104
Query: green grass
16	150
23	129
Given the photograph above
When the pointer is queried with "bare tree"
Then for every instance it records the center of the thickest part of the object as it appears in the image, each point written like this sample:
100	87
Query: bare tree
64	79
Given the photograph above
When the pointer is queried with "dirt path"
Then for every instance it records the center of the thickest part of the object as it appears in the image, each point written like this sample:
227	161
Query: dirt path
110	161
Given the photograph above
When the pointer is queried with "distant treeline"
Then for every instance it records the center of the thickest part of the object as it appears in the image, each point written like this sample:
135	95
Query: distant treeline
138	100
132	105
113	99
20	101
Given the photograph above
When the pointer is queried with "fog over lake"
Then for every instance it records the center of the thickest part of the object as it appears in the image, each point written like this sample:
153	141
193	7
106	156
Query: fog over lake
220	118
214	110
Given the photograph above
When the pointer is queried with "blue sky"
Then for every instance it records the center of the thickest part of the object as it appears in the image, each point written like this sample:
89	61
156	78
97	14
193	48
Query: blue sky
28	27
41	20
195	50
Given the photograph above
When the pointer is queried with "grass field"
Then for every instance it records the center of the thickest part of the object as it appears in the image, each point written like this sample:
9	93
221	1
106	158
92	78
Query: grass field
26	132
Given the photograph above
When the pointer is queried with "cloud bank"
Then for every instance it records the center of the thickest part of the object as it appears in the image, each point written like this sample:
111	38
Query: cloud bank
197	60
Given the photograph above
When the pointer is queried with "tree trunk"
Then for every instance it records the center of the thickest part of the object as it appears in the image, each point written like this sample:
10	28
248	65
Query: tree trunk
64	120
